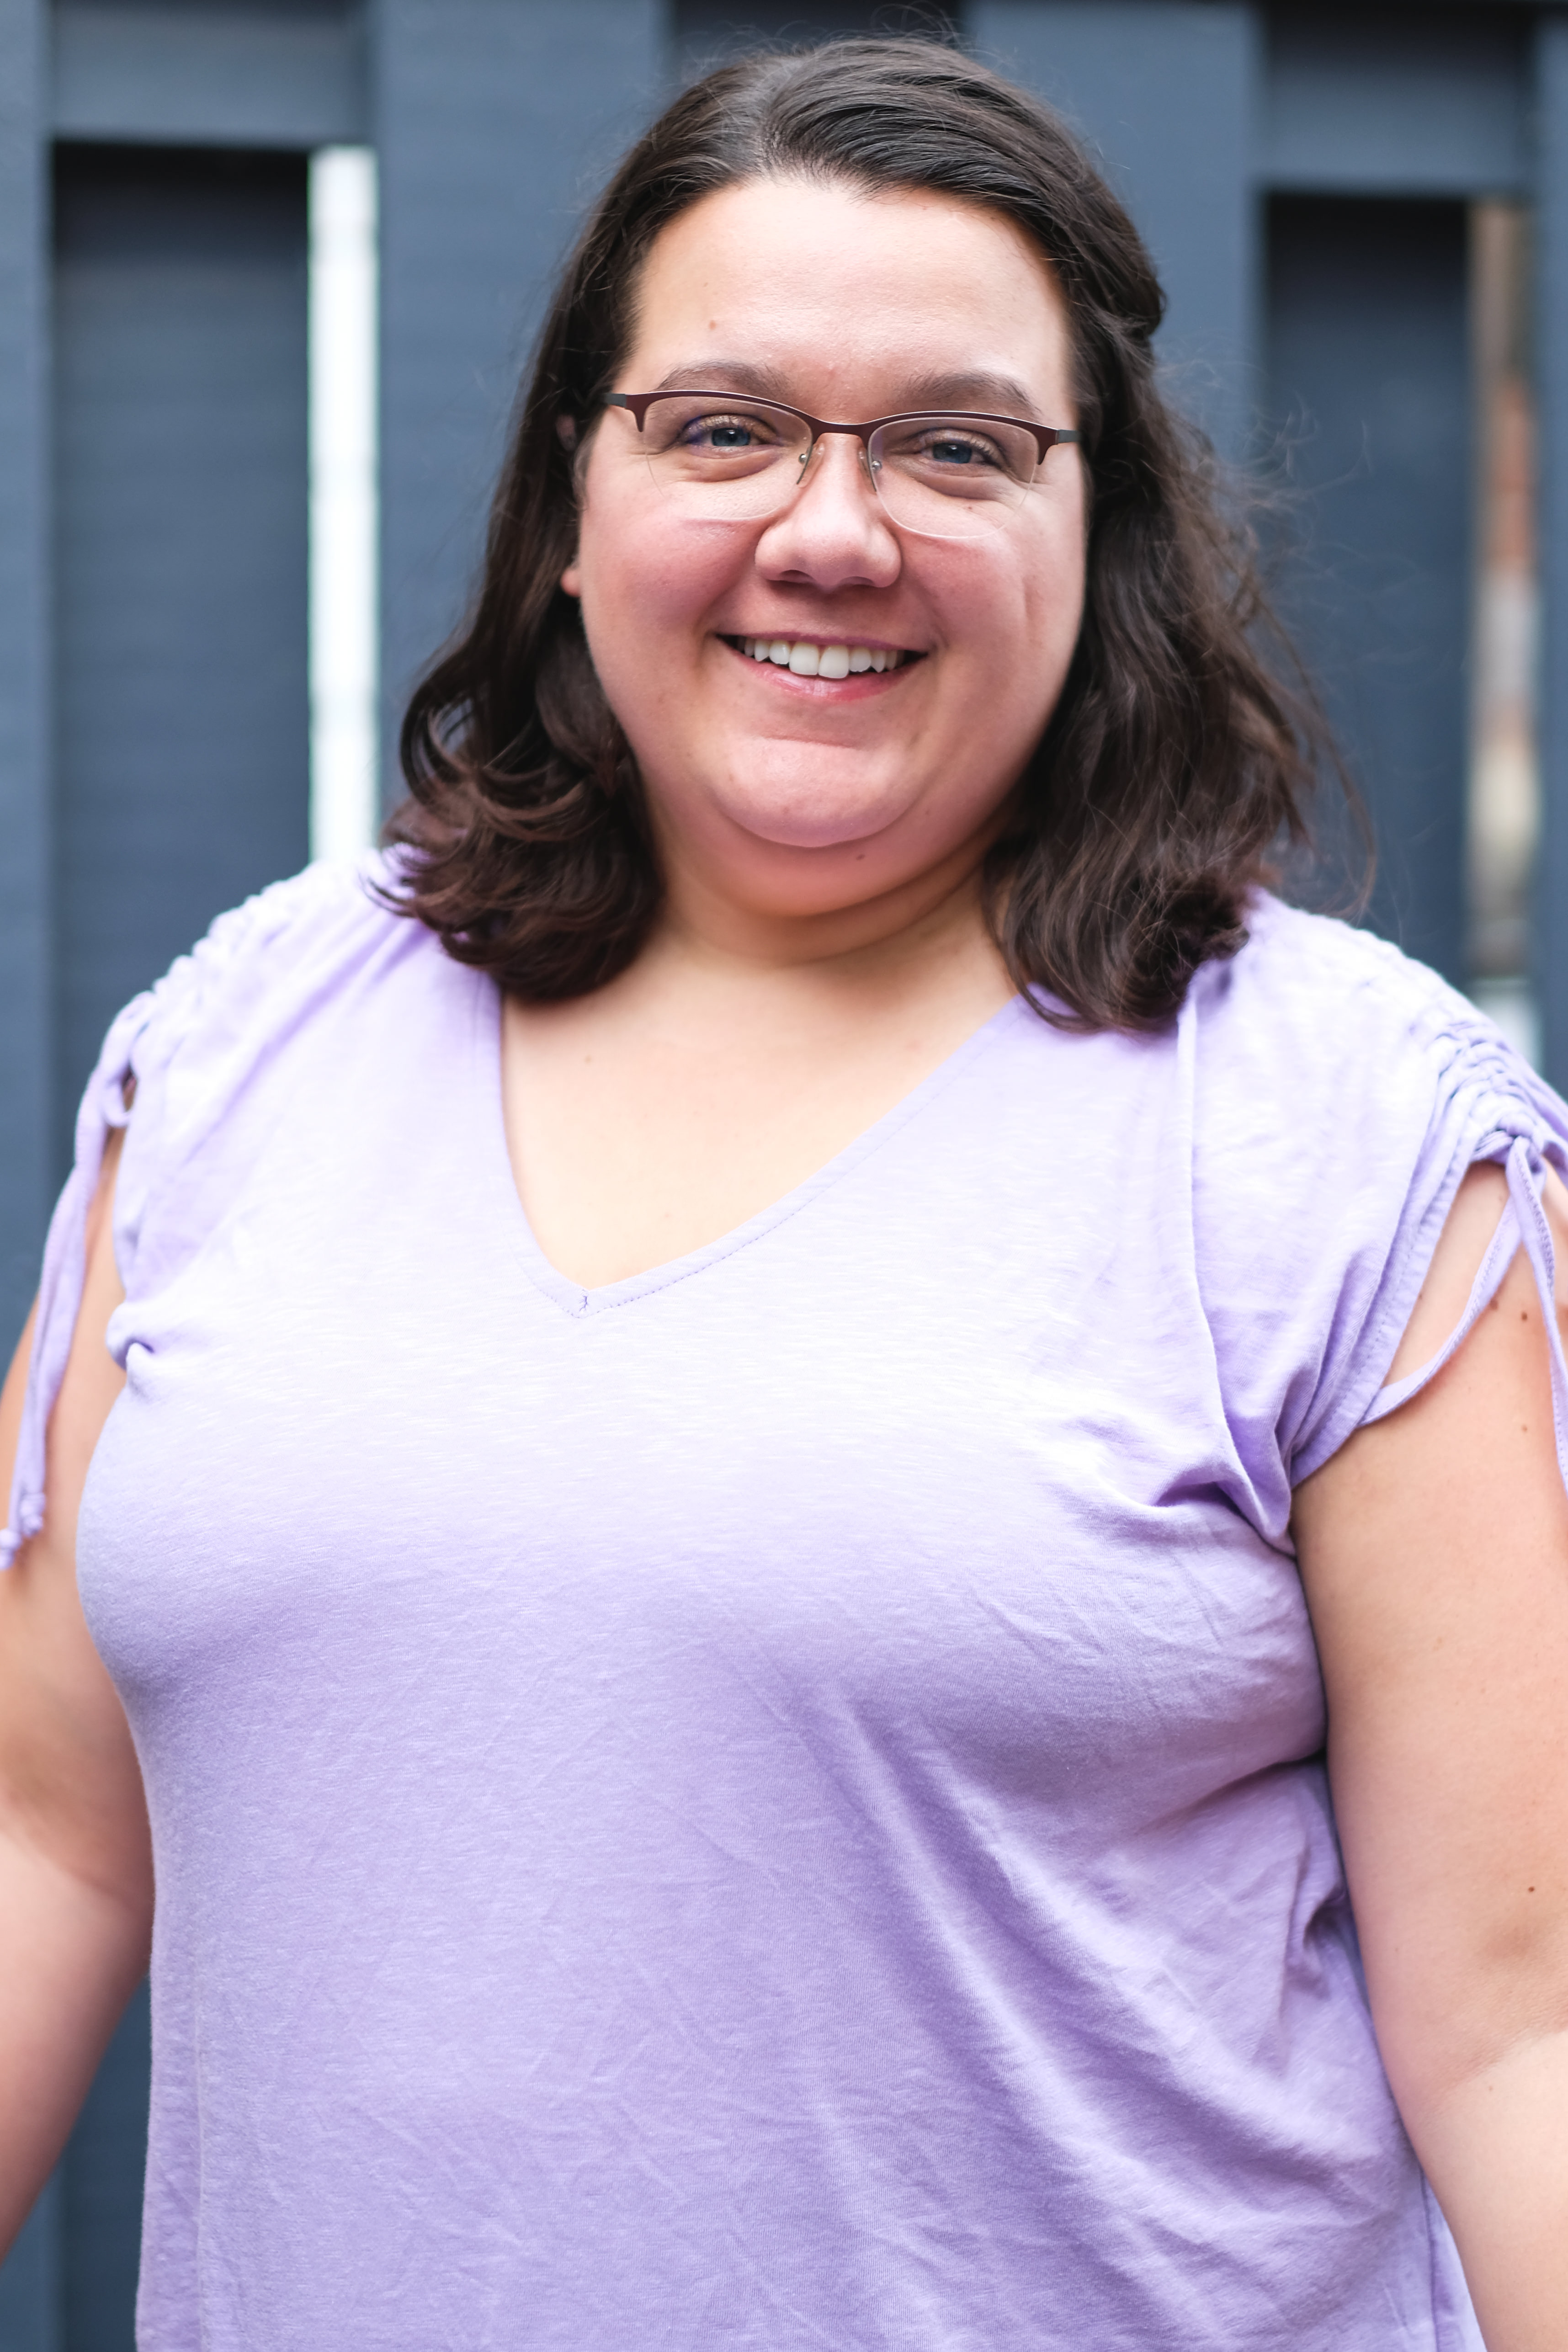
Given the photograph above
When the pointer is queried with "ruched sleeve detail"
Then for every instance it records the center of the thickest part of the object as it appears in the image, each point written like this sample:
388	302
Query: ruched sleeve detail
1487	1105
189	1045
1523	1220
103	1109
1338	1094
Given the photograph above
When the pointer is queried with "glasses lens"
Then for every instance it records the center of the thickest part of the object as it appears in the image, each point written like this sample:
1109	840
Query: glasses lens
724	459
953	476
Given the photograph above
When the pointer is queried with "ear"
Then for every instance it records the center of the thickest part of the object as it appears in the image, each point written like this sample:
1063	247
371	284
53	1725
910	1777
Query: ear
566	433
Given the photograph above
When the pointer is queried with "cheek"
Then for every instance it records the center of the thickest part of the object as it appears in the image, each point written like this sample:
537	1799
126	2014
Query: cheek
646	591
643	573
1053	613
1018	632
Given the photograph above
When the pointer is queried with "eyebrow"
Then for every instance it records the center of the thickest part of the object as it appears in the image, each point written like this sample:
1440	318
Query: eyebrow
974	387
959	388
743	375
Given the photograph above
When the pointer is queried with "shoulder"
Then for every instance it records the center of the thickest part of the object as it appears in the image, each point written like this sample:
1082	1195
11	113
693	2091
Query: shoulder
209	1057
260	964
1332	1040
1323	991
1338	1092
328	918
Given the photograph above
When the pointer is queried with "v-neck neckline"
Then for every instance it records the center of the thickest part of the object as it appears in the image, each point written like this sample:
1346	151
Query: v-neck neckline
571	1296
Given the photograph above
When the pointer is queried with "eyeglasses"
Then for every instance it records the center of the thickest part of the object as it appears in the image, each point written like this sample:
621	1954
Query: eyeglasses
721	458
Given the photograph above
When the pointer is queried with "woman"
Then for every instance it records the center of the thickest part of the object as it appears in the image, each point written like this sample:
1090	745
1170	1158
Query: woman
748	1374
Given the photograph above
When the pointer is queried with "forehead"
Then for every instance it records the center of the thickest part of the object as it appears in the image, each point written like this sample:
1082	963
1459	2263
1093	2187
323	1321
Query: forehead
831	286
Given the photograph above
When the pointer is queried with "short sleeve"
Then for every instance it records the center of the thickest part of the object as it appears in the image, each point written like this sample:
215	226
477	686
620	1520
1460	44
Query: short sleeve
1486	1105
169	1069
1340	1092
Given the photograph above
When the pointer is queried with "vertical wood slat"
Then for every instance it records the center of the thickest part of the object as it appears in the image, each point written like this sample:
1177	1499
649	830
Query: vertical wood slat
1169	91
494	124
26	943
1370	373
181	715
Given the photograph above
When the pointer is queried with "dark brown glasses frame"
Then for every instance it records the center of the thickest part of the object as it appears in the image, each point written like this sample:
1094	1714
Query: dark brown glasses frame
1046	437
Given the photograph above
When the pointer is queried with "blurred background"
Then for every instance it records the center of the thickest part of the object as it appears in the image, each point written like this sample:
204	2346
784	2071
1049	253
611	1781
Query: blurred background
269	272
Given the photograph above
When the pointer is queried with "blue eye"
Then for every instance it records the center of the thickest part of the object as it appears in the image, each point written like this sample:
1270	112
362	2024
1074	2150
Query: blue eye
951	451
724	434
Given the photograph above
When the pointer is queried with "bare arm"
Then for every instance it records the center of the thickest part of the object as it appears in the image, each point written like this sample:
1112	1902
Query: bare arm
1434	1549
75	1873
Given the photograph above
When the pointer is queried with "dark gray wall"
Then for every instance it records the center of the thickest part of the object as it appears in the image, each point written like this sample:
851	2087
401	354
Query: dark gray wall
1168	93
1397	101
1369	388
182	705
27	941
495	122
707	32
278	73
99	2196
70	2283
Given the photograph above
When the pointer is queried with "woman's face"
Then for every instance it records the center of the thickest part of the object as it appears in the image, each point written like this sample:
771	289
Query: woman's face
795	795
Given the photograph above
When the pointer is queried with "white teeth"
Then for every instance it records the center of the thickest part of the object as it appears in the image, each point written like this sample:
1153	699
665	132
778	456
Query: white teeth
810	658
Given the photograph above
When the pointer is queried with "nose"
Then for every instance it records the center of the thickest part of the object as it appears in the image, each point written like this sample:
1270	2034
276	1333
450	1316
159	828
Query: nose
834	532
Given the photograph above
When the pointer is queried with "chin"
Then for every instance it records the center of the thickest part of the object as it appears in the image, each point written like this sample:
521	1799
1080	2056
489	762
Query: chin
816	817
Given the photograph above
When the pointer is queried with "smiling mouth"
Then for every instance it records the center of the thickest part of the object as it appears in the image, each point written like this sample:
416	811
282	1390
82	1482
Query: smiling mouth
816	657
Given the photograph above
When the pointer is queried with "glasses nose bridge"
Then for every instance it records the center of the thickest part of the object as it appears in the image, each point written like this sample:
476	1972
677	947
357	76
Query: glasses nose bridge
819	432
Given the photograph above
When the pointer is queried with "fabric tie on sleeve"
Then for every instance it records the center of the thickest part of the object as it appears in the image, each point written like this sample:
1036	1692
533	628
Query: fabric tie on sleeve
1523	1220
64	1276
258	969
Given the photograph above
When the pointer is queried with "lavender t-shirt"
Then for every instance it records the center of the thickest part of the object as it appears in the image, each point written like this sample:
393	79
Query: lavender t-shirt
778	1804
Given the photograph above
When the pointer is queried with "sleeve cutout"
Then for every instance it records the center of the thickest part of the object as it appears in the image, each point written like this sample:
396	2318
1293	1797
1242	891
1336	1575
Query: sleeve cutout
1523	1220
65	1274
258	972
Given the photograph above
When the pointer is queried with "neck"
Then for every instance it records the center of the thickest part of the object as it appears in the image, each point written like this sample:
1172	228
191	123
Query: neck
932	921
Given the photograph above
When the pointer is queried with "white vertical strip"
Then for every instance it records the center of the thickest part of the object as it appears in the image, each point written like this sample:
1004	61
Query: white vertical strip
344	521
1504	828
1550	356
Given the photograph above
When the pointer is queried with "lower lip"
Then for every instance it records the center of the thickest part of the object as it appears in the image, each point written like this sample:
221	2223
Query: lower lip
857	687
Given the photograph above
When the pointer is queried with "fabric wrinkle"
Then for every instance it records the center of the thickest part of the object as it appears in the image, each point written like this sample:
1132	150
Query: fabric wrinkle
791	1812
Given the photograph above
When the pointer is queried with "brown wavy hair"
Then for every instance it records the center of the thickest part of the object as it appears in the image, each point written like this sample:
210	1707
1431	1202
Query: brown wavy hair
1174	763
